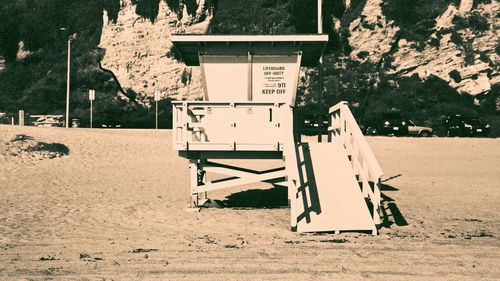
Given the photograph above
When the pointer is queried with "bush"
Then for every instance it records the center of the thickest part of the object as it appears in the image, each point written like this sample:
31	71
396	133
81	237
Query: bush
255	17
476	22
175	6
455	75
476	3
434	42
415	18
470	56
456	38
112	7
147	8
363	54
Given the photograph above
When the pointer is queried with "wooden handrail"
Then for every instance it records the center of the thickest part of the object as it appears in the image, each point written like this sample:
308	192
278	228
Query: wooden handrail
357	136
337	107
345	129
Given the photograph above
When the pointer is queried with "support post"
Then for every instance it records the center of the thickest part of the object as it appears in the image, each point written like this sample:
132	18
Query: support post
91	99
290	155
193	172
203	77
156	98
21	118
250	97
376	204
156	119
67	82
296	81
91	111
330	121
320	16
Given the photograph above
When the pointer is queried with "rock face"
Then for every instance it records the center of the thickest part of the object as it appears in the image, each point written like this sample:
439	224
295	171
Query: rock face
371	34
470	66
476	75
138	51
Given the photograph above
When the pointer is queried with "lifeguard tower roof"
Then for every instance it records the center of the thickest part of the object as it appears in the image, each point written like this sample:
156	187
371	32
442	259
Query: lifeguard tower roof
189	46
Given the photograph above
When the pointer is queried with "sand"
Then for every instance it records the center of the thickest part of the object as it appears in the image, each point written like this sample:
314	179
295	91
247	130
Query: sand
114	208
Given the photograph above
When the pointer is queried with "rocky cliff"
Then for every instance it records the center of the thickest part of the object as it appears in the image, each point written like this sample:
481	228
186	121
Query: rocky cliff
137	50
469	63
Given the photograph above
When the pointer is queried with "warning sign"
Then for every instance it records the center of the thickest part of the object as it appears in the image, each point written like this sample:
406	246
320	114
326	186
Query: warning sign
273	78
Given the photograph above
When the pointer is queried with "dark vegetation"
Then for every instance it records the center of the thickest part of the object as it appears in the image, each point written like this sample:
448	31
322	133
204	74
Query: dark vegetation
23	144
475	22
416	18
149	8
37	83
253	17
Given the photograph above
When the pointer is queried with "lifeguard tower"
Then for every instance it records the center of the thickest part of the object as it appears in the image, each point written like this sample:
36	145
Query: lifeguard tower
250	86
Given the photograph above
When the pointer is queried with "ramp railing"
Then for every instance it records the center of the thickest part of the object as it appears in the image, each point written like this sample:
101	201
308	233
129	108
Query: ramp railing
344	129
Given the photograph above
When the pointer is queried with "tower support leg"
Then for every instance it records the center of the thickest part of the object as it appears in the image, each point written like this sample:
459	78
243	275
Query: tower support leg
193	175
197	179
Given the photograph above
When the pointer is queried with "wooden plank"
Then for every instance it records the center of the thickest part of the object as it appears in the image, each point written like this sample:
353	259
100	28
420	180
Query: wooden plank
193	174
241	181
189	38
208	154
340	204
203	77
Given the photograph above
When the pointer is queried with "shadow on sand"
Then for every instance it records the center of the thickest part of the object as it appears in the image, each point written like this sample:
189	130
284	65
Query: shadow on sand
390	213
275	197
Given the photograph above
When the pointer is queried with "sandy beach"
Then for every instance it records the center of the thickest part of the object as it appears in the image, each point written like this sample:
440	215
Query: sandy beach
98	204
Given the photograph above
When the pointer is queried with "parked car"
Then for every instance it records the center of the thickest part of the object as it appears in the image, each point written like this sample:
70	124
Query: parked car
463	126
46	120
312	124
111	124
421	131
394	124
76	122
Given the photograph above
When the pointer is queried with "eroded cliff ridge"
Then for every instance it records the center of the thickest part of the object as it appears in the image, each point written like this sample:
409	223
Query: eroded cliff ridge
138	50
462	48
461	55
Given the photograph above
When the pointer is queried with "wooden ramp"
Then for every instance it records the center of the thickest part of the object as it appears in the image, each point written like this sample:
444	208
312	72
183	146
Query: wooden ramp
328	195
